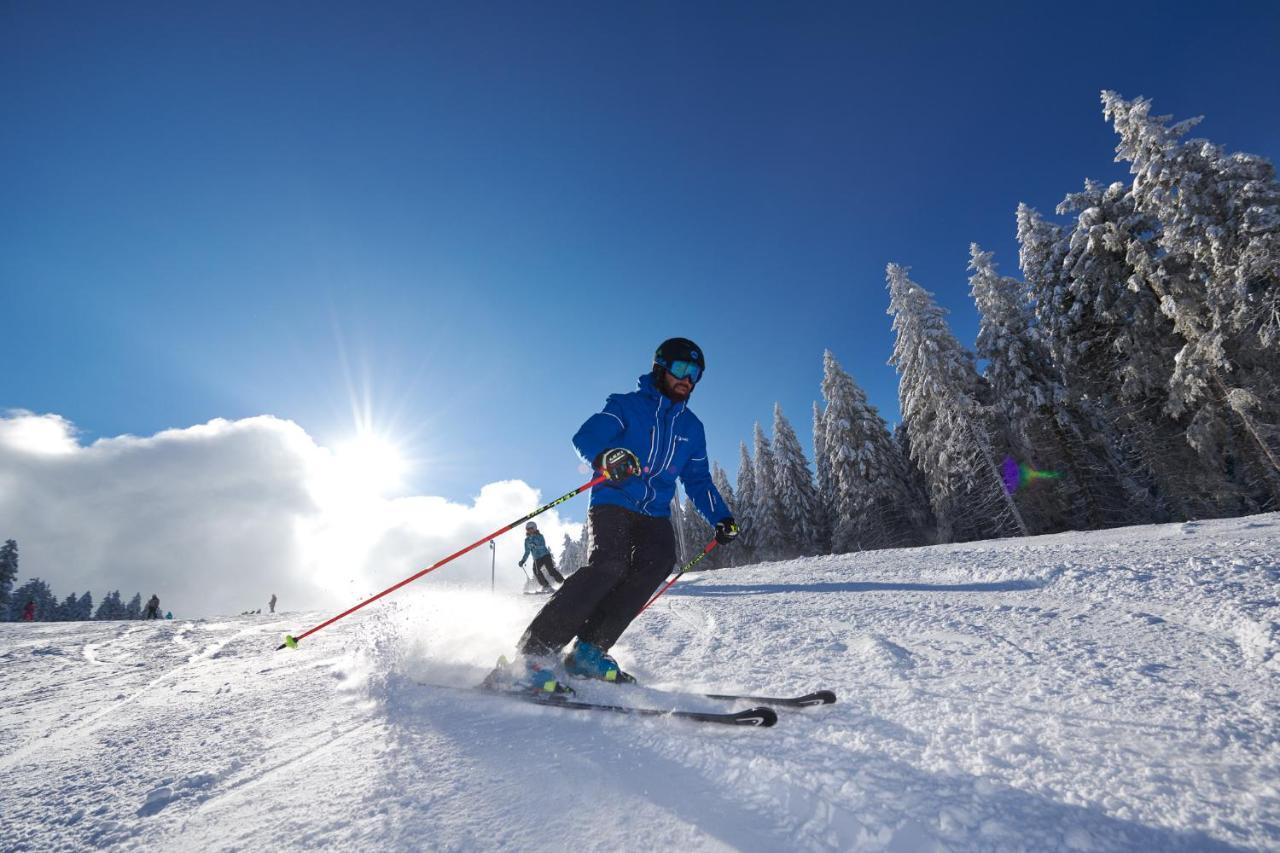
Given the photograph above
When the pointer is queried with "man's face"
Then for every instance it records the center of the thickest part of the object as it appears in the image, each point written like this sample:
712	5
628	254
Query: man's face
676	389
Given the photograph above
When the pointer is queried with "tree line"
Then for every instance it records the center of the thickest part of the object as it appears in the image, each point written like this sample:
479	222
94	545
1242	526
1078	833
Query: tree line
1131	376
48	608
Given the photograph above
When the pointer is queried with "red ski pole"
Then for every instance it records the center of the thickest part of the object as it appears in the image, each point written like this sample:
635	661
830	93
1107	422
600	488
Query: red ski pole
686	567
292	642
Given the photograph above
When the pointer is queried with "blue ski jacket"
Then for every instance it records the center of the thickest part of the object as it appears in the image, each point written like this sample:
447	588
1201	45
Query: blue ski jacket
669	441
536	546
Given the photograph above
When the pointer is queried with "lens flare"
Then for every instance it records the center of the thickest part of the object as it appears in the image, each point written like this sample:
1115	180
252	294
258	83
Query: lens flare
1017	475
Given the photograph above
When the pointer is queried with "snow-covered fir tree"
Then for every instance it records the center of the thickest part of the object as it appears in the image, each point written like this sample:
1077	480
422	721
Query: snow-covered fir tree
721	557
133	610
111	607
84	607
1031	406
678	524
1105	459
38	591
68	609
919	513
8	570
745	545
1120	352
574	554
822	482
697	533
794	491
870	506
1217	276
721	481
567	556
939	397
770	543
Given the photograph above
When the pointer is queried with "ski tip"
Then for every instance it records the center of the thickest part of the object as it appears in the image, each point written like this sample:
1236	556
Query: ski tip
820	697
762	717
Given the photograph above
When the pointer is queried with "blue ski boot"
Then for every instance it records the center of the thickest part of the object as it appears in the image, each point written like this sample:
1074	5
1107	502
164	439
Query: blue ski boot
586	660
526	674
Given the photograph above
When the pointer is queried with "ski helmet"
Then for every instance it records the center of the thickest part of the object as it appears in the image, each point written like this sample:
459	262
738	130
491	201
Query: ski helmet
531	526
682	357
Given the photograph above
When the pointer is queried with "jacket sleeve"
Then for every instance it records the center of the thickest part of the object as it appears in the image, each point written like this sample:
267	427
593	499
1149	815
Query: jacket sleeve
601	431
696	478
528	547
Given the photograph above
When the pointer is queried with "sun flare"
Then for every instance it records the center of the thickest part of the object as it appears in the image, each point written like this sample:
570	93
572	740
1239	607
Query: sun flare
370	464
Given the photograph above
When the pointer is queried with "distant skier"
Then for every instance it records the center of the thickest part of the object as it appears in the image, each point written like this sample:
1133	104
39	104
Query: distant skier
272	603
153	607
536	546
633	546
29	611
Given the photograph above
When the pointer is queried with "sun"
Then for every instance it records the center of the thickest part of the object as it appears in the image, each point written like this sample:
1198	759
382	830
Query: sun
369	464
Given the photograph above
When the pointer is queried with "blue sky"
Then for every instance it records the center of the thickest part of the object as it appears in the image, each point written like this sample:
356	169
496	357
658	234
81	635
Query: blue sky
477	220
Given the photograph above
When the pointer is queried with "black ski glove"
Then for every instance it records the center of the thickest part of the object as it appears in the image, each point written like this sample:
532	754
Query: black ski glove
617	463
726	530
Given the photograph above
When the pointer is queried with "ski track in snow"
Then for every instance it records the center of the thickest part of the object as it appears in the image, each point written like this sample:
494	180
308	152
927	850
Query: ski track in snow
1114	690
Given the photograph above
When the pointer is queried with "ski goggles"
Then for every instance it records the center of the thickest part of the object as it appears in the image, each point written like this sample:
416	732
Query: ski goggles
690	370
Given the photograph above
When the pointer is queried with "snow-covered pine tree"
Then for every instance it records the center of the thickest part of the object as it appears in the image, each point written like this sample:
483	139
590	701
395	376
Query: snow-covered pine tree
721	480
1217	276
745	545
8	570
133	610
566	553
38	591
67	610
721	557
1031	404
678	527
1119	352
918	511
111	607
870	506
582	551
84	607
697	533
796	496
769	537
938	392
1091	415
822	482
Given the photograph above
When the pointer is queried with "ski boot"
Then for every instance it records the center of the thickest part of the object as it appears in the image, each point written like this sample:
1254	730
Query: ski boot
525	675
586	660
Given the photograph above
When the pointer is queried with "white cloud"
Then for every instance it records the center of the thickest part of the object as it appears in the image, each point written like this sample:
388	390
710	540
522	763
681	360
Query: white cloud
43	434
215	518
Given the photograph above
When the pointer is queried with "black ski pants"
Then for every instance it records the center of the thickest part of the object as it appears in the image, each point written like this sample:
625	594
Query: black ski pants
549	565
629	557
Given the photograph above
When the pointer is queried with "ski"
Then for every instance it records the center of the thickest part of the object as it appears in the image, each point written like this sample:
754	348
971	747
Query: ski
808	700
757	717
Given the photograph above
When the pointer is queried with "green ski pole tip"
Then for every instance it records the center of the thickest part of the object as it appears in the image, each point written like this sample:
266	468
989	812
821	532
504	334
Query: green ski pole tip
290	641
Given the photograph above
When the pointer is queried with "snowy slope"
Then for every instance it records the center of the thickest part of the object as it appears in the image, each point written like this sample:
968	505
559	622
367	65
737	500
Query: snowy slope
1110	690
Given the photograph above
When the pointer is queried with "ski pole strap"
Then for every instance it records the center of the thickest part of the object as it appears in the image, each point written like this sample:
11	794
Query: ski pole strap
600	478
686	567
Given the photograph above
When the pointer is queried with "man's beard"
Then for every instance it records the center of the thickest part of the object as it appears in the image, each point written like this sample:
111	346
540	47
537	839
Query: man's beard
675	395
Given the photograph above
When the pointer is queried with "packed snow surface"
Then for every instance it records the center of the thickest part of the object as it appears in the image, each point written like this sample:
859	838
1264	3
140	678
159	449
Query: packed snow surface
1097	691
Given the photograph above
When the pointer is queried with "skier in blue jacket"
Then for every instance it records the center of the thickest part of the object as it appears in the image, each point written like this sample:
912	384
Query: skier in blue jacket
643	441
536	546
